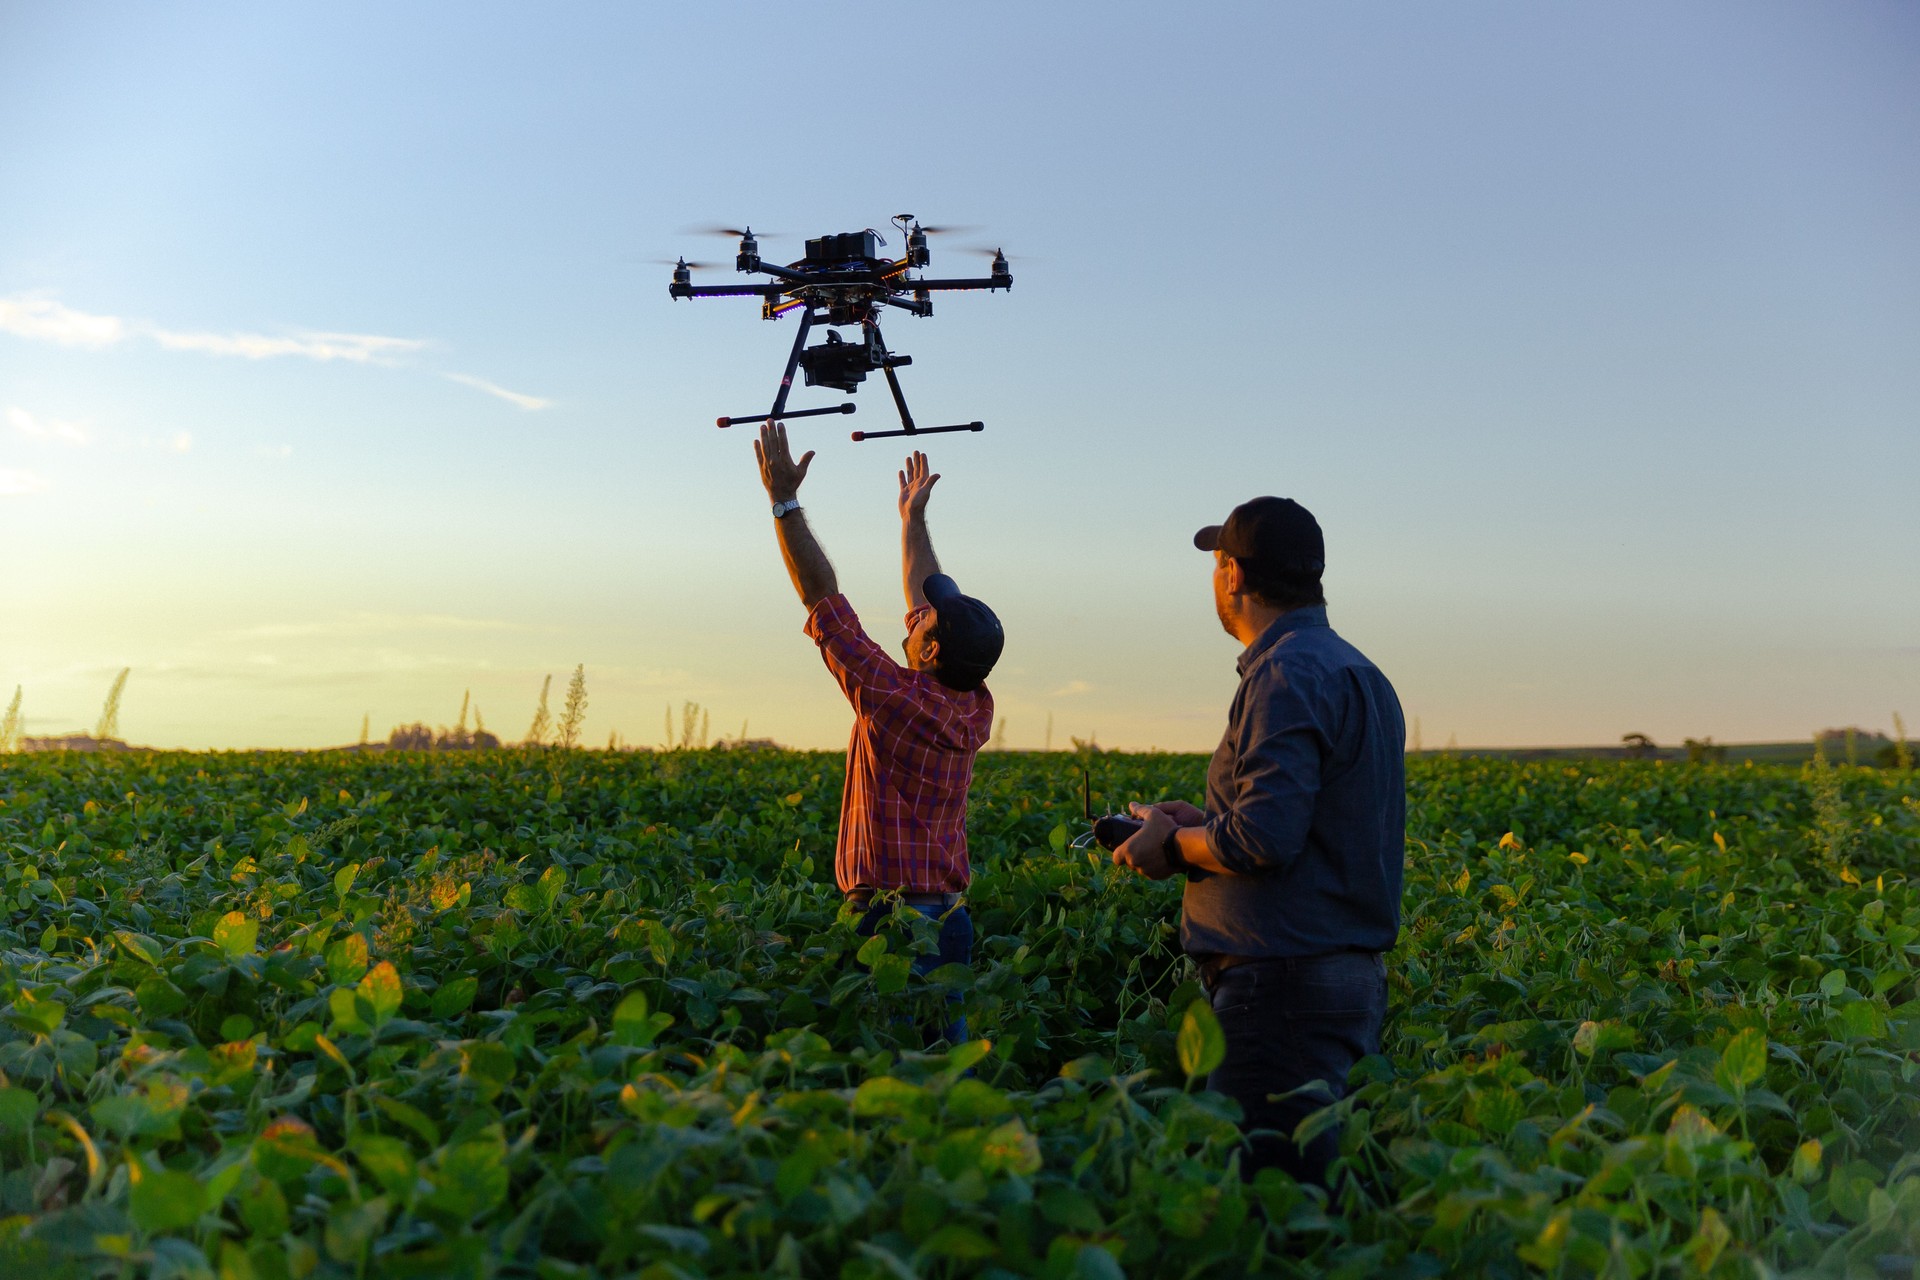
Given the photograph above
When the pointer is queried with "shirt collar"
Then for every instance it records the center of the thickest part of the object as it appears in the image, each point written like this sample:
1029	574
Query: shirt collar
1313	615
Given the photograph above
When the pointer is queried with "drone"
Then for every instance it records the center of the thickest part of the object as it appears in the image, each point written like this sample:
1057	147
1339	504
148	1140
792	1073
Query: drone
842	280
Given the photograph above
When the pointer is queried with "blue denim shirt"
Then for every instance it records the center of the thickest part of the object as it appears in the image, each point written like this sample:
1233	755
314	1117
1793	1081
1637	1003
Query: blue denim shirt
1306	801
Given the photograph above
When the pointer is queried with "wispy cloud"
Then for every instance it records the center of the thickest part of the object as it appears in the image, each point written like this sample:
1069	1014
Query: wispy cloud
15	483
36	316
356	348
1071	688
527	402
46	428
42	318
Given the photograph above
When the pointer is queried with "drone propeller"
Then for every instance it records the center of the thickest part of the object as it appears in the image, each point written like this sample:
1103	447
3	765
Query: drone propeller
949	230
682	262
731	233
978	251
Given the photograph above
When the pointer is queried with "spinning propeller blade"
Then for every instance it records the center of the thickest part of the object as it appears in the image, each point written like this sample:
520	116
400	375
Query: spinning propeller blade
732	233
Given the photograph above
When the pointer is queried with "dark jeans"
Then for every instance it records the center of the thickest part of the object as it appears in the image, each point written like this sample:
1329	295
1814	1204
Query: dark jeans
1288	1022
956	947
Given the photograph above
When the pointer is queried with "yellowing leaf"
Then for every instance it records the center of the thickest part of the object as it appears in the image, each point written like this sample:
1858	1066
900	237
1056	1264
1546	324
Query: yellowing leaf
1200	1044
1508	841
1578	858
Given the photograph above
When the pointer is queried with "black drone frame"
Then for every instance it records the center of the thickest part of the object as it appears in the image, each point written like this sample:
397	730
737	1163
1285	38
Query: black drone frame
842	282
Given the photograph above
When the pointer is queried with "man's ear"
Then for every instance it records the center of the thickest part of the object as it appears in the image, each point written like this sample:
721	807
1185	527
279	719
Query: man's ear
930	652
1236	577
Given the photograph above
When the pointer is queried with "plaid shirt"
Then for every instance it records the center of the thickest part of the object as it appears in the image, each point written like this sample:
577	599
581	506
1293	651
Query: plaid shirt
903	818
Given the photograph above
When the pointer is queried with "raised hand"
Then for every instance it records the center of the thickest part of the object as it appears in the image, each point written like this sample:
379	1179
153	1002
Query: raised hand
916	483
778	471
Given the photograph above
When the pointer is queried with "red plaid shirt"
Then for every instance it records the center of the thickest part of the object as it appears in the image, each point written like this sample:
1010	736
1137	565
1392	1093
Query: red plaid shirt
903	818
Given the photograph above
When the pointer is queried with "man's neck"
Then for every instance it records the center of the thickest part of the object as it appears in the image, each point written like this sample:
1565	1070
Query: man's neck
1252	622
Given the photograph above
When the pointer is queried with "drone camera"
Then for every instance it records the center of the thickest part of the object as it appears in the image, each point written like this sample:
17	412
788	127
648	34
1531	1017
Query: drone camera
840	364
829	250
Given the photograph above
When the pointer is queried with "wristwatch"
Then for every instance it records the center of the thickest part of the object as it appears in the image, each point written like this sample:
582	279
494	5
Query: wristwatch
1170	849
781	508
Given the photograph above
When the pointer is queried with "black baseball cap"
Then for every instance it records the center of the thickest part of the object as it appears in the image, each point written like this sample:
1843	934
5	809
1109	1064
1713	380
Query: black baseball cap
1275	533
970	635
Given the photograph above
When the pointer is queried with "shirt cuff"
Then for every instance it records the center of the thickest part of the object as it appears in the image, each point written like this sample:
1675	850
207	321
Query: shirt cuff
833	615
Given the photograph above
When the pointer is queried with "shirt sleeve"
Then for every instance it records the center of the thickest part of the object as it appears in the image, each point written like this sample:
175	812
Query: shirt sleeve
1276	778
864	671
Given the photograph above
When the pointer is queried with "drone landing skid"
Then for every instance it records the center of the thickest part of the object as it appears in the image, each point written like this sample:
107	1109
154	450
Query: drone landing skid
790	413
919	431
780	411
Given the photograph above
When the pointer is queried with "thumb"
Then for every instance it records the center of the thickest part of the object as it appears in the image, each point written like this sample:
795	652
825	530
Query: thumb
806	460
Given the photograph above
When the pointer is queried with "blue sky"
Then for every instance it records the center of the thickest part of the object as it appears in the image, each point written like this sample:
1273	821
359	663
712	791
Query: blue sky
337	378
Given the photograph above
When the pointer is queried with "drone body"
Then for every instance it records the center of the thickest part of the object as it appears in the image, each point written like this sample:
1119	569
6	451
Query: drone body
842	280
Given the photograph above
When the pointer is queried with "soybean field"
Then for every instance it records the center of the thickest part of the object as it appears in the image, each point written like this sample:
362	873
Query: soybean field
557	1014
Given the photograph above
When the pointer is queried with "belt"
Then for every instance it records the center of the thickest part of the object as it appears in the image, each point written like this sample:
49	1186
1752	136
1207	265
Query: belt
944	901
1212	967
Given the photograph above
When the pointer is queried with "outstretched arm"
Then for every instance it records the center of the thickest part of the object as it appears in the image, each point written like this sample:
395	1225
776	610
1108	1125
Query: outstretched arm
807	564
917	561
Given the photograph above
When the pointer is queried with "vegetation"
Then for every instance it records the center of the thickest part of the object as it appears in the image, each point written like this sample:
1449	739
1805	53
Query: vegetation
538	1013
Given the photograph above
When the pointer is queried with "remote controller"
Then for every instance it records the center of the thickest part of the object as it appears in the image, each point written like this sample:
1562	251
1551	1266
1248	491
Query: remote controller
1112	831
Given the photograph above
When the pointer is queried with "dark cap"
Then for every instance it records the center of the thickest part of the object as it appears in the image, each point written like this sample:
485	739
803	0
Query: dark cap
1275	533
970	635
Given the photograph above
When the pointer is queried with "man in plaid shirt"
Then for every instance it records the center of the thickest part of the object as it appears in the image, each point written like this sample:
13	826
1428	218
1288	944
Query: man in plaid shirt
916	727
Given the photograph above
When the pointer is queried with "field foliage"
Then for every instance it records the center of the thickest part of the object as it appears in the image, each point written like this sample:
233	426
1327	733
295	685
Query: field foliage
544	1013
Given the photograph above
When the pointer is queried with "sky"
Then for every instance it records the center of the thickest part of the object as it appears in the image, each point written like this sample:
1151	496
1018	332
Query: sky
339	378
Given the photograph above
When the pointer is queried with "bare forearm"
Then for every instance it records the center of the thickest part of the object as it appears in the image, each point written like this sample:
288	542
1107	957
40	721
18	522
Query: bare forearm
917	561
807	564
1198	853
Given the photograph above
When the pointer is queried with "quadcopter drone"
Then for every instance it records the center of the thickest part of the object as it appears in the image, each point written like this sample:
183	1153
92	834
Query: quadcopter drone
842	280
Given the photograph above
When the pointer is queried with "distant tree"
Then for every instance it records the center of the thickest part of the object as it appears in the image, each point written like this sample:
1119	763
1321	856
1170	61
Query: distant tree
575	712
1902	753
366	727
109	726
1638	746
10	734
542	722
1706	751
410	737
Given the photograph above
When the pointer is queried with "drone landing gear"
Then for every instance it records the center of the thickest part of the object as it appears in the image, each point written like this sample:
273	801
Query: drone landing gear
780	410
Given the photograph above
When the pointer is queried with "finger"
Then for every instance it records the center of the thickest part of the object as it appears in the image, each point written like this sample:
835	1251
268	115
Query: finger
806	460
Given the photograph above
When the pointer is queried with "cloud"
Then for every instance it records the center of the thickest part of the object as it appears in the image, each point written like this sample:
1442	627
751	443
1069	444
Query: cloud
36	316
45	428
1071	688
16	483
355	348
526	402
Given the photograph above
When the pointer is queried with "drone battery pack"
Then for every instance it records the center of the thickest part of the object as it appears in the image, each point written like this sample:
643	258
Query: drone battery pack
828	250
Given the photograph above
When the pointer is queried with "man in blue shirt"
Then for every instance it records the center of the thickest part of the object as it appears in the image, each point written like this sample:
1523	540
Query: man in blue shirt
1293	869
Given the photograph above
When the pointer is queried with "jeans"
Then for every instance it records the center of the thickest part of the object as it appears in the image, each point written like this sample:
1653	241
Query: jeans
1289	1022
956	947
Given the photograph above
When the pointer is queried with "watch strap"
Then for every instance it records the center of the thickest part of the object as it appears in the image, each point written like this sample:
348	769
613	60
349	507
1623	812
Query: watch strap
782	508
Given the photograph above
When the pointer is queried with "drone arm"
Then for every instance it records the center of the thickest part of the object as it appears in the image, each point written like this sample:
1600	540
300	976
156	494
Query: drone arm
978	282
918	306
782	273
724	290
